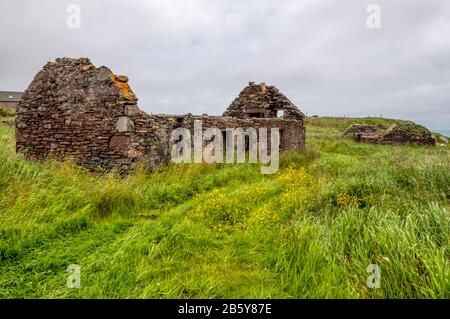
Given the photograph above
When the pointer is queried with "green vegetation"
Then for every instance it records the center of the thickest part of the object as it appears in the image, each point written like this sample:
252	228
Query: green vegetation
7	117
210	231
6	113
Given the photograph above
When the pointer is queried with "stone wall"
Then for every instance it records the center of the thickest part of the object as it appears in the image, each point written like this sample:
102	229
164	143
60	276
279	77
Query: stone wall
408	133
357	129
263	101
401	133
73	109
292	132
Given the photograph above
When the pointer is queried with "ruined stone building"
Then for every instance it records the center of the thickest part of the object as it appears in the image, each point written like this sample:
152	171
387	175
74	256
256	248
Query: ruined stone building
262	101
397	134
74	109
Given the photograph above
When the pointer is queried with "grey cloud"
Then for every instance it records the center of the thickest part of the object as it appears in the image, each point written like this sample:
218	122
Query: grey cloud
195	56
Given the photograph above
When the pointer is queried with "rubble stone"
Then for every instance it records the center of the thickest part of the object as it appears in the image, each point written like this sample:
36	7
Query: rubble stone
262	101
408	133
124	124
356	129
402	133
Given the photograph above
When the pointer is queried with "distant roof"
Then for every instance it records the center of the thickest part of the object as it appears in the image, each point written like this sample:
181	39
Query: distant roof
10	96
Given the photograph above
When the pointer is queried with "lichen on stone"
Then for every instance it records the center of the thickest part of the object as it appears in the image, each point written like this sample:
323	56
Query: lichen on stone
125	90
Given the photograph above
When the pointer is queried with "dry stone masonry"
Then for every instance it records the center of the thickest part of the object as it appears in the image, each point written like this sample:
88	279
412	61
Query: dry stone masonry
402	133
74	109
262	101
357	129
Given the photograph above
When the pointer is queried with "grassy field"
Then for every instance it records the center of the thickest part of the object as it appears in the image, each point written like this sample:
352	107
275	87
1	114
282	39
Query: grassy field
211	231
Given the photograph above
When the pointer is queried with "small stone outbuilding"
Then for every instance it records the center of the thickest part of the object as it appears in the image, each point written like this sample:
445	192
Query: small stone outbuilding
401	133
263	101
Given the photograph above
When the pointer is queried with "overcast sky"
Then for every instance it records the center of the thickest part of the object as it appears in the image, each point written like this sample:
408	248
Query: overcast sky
195	56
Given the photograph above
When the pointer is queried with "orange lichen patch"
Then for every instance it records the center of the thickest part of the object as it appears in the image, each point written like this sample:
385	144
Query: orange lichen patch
263	87
125	89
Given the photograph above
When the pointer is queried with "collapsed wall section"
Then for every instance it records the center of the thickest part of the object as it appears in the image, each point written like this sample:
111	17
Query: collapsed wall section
397	134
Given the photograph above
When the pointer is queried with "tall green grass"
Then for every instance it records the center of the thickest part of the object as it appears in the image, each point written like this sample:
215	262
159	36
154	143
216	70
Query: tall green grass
210	231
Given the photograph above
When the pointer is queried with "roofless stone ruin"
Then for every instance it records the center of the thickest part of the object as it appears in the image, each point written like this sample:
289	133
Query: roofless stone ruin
74	109
397	134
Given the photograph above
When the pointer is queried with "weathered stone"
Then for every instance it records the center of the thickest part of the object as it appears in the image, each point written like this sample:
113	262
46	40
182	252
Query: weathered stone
356	129
86	68
262	101
120	143
21	124
103	74
408	133
125	124
131	110
134	154
443	139
122	78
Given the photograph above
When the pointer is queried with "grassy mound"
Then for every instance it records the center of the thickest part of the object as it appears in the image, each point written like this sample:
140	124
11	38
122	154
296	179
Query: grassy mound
226	230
